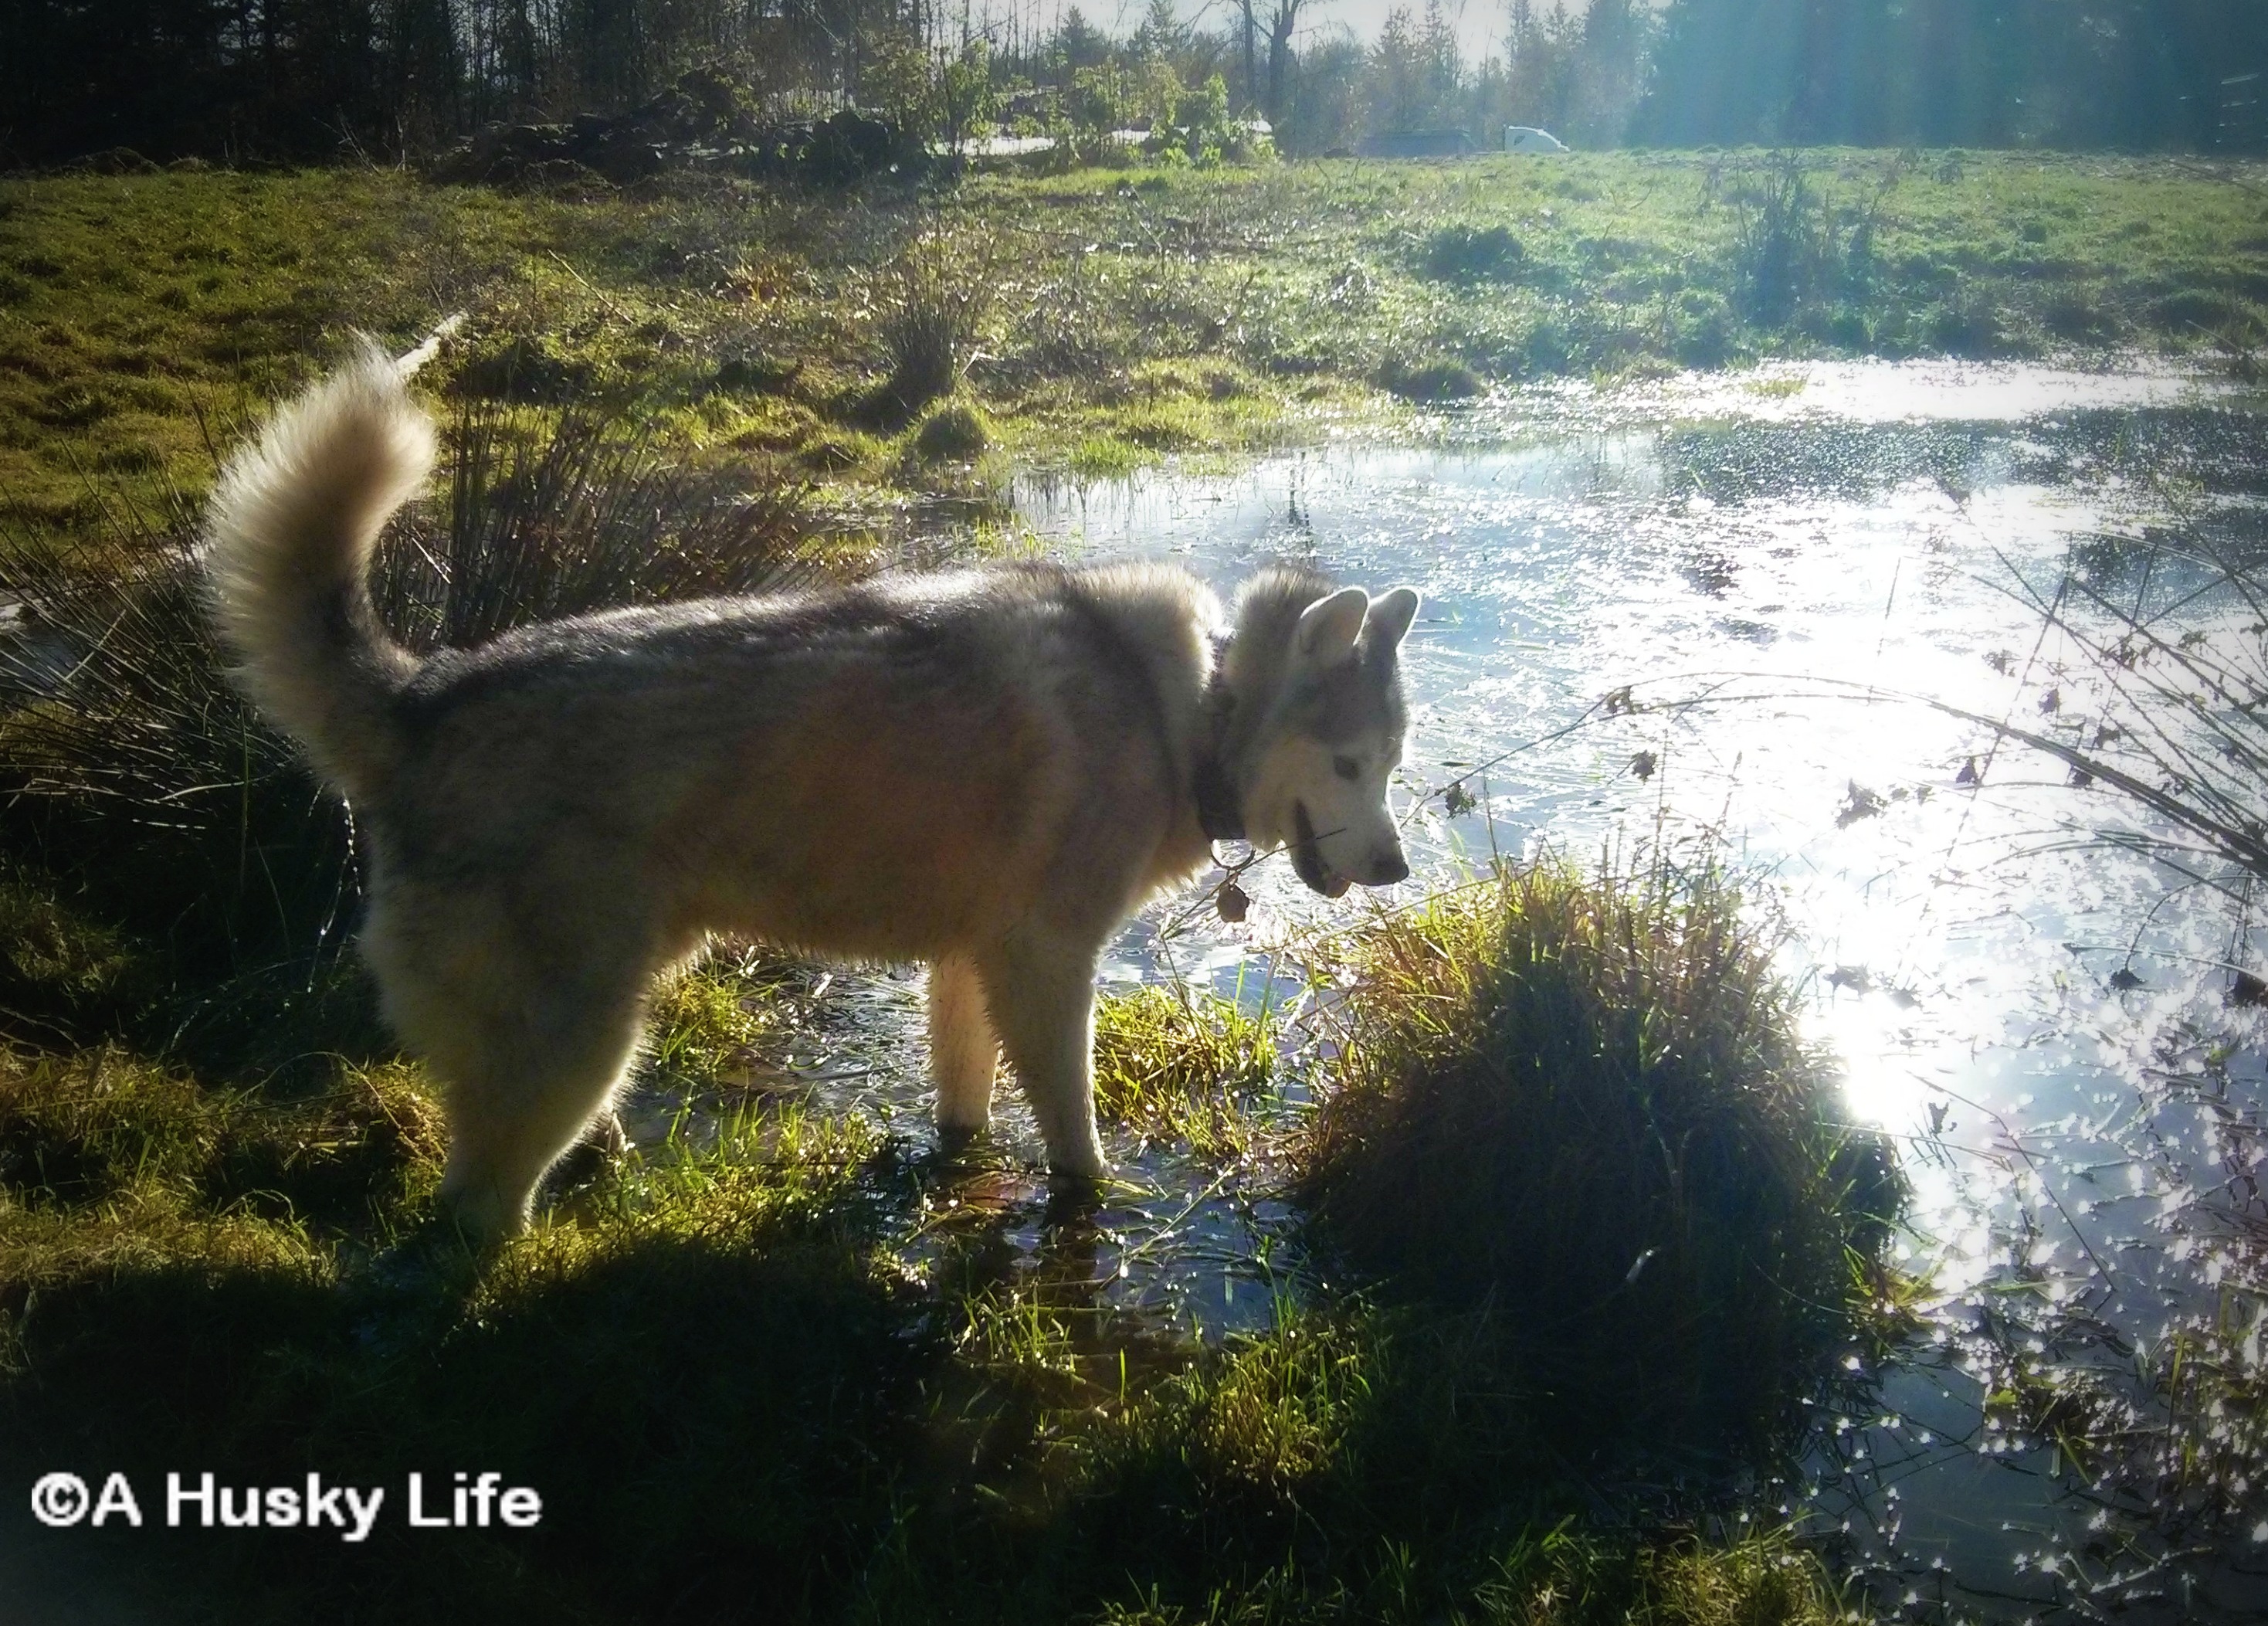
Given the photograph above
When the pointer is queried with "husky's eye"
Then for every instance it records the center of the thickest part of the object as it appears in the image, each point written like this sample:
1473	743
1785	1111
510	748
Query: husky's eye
1346	767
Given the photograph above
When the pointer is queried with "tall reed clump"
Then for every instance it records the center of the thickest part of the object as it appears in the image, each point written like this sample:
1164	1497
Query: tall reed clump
134	775
931	304
1793	250
1580	1109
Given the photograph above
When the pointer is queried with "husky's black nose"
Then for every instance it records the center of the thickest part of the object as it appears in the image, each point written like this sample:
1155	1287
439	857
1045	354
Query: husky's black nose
1387	867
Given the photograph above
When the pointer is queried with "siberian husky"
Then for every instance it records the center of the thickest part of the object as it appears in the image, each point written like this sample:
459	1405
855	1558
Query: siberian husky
986	770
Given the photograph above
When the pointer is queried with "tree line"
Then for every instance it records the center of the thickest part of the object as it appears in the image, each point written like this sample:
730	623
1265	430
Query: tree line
312	80
297	80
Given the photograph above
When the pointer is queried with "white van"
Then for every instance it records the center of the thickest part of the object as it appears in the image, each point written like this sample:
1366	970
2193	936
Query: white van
1525	138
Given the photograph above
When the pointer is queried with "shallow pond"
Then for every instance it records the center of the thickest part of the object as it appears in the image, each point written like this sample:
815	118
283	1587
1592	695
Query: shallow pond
1722	604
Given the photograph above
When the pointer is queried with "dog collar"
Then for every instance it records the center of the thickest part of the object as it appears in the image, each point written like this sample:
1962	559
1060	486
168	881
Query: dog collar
1219	813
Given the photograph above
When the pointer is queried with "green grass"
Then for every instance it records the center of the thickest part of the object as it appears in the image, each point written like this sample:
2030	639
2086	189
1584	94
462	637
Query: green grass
708	1023
724	1384
1097	319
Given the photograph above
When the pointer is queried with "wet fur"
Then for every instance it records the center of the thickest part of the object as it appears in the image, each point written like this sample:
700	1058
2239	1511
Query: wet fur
985	770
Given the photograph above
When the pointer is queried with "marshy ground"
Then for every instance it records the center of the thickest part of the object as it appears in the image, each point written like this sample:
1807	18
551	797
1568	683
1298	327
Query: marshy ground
1318	1358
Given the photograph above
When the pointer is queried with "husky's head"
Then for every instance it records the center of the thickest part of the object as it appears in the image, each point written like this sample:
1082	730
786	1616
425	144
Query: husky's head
1318	679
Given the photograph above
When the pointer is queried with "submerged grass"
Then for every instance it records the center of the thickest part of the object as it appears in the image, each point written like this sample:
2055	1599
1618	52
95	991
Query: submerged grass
1181	1063
708	1023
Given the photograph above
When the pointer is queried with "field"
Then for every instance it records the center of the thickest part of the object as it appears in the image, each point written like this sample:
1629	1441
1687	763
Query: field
802	1366
1094	321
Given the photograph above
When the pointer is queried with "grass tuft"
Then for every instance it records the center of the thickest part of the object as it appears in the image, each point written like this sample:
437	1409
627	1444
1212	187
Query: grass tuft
1430	380
1586	1099
706	1024
954	431
1465	253
102	1127
934	301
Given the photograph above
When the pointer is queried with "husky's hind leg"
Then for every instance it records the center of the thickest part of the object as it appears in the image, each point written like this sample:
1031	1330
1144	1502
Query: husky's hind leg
1040	993
963	1053
528	1050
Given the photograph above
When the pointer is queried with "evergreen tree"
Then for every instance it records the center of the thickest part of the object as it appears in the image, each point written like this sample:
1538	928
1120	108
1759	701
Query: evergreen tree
1079	43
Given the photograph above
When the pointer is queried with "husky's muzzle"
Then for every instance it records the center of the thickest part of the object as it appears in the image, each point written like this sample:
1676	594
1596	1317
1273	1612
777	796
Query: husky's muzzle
1307	856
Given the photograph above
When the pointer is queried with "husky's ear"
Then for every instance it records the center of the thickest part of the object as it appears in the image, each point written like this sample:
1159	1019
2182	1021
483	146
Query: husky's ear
1328	626
1390	616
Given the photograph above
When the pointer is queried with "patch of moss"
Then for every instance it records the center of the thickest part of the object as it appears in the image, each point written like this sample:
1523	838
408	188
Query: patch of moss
954	431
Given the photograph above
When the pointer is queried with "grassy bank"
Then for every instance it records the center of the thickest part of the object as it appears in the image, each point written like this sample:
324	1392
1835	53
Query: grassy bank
781	1359
1094	320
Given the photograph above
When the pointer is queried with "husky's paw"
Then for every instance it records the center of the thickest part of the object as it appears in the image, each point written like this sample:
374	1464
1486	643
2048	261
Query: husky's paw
602	1145
1086	1162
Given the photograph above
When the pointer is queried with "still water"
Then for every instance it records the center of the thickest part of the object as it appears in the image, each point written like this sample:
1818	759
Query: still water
1722	605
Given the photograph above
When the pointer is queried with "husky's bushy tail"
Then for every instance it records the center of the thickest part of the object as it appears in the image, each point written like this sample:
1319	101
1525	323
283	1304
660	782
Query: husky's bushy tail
292	526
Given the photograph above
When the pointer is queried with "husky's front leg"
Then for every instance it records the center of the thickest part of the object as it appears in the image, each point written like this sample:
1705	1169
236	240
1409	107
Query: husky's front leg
1040	993
963	1055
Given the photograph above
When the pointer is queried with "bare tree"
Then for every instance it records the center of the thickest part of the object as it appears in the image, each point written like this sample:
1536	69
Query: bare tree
1251	32
1281	18
1280	54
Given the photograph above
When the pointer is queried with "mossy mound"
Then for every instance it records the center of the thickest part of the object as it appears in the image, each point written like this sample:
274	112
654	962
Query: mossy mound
954	431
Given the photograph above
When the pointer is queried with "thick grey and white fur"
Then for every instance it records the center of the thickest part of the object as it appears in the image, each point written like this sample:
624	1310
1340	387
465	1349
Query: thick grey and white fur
986	770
